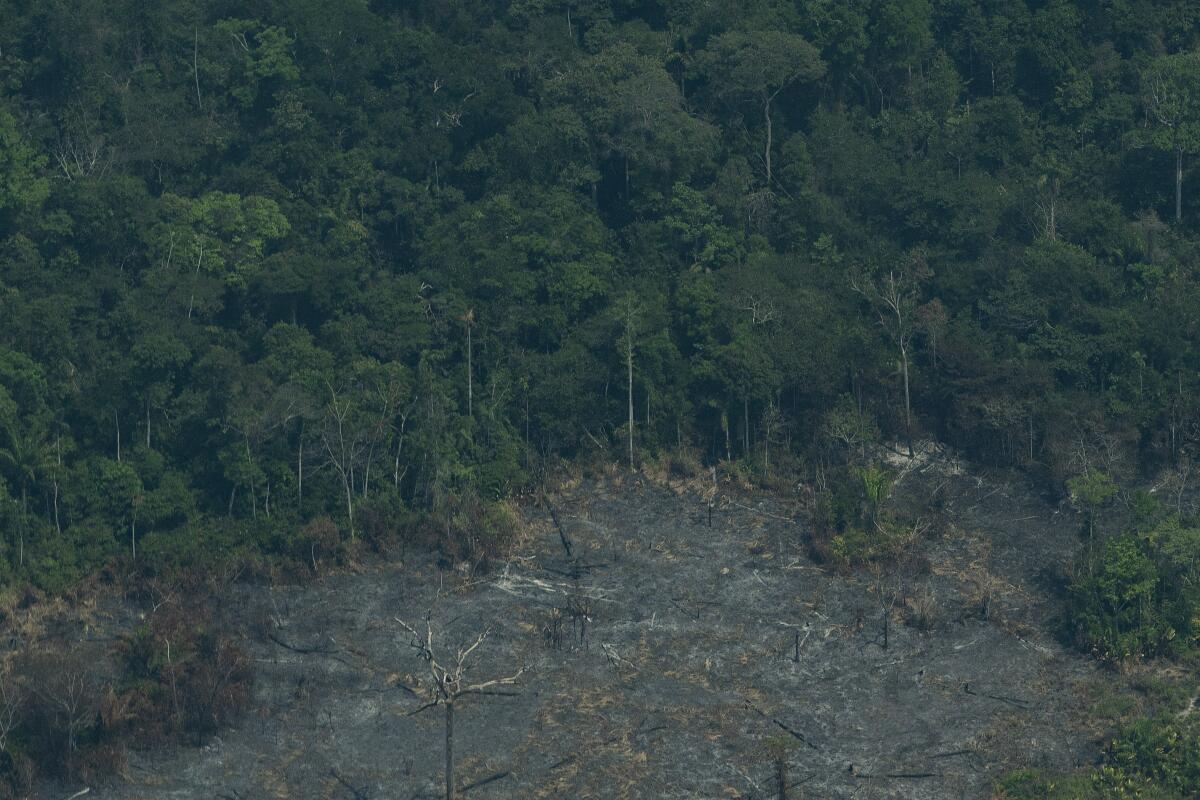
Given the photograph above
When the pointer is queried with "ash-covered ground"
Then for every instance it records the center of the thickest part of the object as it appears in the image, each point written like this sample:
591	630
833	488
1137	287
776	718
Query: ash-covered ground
702	644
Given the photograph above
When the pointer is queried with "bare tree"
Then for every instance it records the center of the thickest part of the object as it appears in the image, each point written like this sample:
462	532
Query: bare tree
11	699
628	312
450	684
888	575
468	320
344	445
894	295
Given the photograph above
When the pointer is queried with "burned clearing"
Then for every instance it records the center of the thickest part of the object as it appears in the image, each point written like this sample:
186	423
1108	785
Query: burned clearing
663	657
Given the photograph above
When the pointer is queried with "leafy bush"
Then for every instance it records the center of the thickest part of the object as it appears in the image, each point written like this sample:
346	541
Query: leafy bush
1139	595
851	525
1152	759
1163	751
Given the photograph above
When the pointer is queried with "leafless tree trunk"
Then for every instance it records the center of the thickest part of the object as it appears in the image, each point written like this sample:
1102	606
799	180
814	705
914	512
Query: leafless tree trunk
469	321
1178	183
342	448
629	365
894	297
195	276
449	750
300	471
58	463
196	65
770	135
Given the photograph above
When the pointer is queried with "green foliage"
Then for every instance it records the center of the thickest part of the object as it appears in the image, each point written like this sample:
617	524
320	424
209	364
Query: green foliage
876	487
849	428
235	266
21	183
1151	759
1140	594
1091	490
852	525
1170	87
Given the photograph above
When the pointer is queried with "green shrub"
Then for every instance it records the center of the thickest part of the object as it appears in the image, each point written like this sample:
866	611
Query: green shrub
1113	605
1152	759
1139	595
1035	785
1164	751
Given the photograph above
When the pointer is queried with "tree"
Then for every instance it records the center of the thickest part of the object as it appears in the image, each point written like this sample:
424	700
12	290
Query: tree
450	685
1089	493
123	495
760	65
24	429
1172	94
894	296
629	313
850	427
219	237
468	321
21	185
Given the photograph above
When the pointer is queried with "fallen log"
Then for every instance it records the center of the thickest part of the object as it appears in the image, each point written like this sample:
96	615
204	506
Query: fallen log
485	781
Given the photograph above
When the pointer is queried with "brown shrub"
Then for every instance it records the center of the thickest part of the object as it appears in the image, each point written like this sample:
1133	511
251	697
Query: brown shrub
467	529
60	712
182	676
318	541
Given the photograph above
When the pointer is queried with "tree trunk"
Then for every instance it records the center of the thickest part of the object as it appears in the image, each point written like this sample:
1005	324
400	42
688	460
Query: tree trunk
746	425
470	385
195	277
1052	231
629	366
1031	438
117	420
24	522
770	132
58	464
725	428
196	65
300	473
1178	184
781	778
147	423
450	751
907	401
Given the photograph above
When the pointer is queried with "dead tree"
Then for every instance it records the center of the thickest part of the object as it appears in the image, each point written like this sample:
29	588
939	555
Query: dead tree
888	576
552	631
579	608
449	684
11	700
893	296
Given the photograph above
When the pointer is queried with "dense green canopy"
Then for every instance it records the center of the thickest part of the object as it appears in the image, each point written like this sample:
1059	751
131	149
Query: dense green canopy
266	261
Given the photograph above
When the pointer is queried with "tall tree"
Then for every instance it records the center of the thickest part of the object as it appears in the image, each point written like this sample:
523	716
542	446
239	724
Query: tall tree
1172	94
758	65
629	312
894	293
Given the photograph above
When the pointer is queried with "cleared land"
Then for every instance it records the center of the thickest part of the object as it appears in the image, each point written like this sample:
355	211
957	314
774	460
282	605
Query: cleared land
701	644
